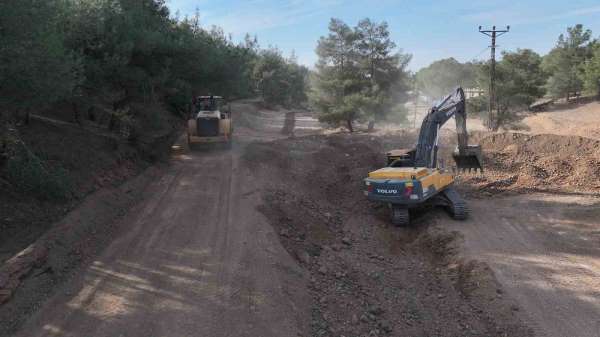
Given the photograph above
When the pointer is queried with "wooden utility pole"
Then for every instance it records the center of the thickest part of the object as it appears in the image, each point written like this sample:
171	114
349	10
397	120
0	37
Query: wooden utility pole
493	33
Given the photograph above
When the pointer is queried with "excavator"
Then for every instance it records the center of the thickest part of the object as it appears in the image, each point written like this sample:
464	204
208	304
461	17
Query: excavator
413	178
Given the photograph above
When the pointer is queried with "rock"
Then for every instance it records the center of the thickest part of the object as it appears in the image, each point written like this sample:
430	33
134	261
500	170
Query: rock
385	326
346	240
304	257
285	232
323	270
364	319
354	319
375	310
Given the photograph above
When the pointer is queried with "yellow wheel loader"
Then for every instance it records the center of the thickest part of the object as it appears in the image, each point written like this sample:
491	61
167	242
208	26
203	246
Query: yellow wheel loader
413	178
210	122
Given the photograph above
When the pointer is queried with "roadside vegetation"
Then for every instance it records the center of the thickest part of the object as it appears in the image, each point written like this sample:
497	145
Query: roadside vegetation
123	65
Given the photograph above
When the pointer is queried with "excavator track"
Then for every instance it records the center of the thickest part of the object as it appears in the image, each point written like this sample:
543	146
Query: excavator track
400	216
456	204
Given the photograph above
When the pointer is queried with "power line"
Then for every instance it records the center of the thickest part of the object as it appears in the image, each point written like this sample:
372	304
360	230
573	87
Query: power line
493	33
479	54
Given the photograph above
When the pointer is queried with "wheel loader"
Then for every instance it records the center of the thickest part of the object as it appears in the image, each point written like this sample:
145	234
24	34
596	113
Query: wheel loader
412	177
208	123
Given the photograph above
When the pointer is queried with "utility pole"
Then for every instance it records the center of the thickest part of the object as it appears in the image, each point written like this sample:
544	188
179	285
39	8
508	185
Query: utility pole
493	33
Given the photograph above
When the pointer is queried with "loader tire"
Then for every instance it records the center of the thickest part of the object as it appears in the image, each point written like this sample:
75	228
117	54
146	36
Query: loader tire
400	216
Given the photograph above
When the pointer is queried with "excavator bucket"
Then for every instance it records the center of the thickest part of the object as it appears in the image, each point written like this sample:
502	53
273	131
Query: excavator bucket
469	158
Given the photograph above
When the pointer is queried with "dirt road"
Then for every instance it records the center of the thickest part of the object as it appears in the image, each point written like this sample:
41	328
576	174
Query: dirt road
545	250
196	259
274	238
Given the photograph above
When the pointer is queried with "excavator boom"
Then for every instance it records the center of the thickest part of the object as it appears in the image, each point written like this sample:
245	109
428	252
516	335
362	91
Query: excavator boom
467	157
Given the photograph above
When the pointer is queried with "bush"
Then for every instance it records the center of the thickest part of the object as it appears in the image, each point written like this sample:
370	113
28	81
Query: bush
31	174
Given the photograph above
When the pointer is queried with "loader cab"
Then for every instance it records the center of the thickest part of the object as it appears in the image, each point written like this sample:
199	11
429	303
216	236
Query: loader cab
209	107
210	120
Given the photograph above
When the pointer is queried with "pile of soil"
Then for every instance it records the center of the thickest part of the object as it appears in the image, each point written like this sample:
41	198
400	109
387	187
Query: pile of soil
368	278
525	163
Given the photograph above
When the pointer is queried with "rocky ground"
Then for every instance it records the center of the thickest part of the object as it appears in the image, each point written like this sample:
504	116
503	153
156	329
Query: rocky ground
367	278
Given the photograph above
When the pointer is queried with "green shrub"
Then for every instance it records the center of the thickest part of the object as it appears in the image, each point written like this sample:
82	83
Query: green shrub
29	173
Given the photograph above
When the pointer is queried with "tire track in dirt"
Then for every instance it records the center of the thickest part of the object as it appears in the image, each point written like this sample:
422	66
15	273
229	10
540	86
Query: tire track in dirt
195	259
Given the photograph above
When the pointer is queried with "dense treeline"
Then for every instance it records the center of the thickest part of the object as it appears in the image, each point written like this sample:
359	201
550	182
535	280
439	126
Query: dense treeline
120	51
571	68
122	64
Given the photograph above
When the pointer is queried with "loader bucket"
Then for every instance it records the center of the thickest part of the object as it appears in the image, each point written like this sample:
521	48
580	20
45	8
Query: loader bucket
469	158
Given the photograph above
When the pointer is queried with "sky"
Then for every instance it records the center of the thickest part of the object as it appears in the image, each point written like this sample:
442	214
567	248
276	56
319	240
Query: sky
428	30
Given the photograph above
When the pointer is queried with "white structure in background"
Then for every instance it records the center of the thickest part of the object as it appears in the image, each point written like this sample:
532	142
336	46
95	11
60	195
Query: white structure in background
473	92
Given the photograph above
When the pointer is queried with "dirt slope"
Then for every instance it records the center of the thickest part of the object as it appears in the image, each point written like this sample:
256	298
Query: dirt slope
525	163
580	120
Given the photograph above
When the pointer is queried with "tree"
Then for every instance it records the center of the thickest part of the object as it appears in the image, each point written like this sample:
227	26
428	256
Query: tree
280	80
591	71
337	81
442	76
520	81
565	60
359	76
36	69
384	69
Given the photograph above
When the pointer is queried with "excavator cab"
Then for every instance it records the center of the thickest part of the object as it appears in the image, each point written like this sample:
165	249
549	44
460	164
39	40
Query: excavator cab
469	158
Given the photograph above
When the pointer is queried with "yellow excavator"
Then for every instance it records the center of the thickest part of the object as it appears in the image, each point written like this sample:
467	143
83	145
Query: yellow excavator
413	178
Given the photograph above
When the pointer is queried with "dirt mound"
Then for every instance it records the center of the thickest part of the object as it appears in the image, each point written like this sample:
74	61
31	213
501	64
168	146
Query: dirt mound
523	162
366	277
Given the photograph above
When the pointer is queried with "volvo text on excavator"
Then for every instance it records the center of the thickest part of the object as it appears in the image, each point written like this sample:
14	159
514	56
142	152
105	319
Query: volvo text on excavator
413	178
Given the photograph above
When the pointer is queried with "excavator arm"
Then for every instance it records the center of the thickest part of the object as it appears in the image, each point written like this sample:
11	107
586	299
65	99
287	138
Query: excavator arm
425	155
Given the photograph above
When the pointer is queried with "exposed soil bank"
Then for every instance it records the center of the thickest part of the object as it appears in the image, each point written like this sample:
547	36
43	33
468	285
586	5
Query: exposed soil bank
529	163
